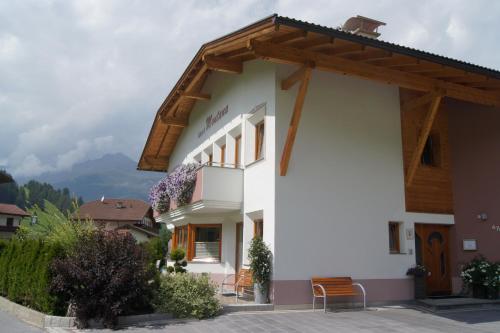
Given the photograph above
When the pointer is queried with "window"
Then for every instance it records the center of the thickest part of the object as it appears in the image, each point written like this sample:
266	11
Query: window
431	152
259	140
203	242
394	246
237	149
10	222
222	155
207	243
258	228
180	237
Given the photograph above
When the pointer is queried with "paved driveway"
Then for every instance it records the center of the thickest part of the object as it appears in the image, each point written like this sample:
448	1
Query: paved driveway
10	324
384	320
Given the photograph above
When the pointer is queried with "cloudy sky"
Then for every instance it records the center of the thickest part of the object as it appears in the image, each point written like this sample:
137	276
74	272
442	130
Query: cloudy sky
79	79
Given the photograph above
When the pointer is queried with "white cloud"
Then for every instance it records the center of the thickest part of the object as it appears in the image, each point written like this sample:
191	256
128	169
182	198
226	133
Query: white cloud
82	78
10	47
31	166
457	31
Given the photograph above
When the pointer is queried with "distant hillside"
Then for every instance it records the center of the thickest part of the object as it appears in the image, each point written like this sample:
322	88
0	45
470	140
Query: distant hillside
35	193
113	175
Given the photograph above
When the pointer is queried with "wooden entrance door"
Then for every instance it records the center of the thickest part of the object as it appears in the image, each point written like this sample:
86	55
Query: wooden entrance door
239	248
432	249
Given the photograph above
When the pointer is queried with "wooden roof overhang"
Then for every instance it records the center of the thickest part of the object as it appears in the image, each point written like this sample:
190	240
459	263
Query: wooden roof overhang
284	40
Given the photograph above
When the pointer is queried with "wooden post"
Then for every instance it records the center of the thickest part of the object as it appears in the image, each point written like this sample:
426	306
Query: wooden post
422	138
294	123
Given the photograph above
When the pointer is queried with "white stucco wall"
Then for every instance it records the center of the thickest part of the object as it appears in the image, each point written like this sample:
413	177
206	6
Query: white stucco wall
242	94
344	184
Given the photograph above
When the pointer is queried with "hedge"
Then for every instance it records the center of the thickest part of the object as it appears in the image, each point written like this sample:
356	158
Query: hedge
25	274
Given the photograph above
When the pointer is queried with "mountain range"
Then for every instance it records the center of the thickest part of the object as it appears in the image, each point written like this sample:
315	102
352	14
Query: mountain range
111	176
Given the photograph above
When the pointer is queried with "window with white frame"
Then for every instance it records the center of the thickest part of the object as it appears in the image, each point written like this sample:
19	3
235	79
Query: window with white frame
255	138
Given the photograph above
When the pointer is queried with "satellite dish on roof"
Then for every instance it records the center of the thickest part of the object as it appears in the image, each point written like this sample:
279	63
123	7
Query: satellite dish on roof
102	199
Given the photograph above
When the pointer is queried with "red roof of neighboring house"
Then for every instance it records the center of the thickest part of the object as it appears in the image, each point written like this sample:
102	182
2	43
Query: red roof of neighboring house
8	209
125	210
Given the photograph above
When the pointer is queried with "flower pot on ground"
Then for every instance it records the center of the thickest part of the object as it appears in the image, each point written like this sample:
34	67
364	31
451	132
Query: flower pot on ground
419	274
260	258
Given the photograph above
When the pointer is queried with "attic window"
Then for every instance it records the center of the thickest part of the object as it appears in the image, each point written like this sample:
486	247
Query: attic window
119	205
431	154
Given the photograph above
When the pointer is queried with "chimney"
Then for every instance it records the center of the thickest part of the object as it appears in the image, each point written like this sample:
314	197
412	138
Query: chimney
362	26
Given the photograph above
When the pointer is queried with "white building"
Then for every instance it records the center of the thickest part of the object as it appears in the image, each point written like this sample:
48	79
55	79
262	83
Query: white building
304	142
10	219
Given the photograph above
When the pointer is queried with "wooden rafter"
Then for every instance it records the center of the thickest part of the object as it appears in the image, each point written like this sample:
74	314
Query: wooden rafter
294	122
200	75
285	54
422	138
223	65
290	37
422	100
295	77
196	95
173	121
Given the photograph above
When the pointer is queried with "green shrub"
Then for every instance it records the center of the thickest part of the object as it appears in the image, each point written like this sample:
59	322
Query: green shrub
260	261
187	295
178	256
25	274
104	276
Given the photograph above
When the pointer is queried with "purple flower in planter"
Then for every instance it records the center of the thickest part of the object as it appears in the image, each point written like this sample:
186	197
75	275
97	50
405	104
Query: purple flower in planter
180	183
177	186
158	196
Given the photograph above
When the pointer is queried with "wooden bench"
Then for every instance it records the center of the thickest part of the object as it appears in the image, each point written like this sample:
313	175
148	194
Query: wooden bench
335	286
243	282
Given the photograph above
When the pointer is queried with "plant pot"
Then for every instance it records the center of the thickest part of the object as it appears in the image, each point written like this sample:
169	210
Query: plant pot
260	294
479	291
492	293
420	287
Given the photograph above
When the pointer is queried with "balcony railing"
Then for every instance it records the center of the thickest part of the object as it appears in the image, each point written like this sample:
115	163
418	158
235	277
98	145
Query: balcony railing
8	228
217	185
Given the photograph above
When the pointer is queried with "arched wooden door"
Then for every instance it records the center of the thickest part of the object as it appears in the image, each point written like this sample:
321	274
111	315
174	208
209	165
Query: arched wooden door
435	255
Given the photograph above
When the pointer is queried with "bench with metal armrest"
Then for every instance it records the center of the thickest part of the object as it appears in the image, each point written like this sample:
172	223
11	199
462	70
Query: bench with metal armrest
242	282
335	286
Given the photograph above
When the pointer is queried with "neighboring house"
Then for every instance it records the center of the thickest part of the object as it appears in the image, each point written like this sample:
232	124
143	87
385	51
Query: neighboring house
349	155
124	215
10	219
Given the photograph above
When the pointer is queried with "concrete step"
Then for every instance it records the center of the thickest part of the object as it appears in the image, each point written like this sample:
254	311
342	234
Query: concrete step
456	303
228	308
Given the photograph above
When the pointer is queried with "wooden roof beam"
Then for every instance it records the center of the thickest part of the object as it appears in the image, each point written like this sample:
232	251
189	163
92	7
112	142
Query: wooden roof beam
290	37
347	49
394	61
314	43
372	55
289	55
295	77
200	75
223	65
294	122
423	136
196	95
173	121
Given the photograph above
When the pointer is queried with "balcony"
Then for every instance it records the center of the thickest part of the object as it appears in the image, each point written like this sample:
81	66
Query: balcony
12	229
216	190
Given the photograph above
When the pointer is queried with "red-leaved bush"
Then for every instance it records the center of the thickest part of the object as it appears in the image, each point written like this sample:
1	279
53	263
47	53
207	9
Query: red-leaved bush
106	275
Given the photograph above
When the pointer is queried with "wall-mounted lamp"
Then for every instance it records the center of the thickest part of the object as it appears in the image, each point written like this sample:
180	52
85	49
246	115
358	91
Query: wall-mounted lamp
482	217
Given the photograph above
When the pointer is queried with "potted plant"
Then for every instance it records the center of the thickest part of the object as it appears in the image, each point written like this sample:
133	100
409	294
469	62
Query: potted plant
260	258
419	274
